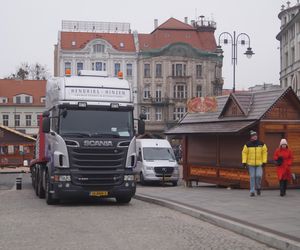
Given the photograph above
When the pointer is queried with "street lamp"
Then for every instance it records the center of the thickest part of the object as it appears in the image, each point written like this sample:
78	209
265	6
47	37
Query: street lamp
234	40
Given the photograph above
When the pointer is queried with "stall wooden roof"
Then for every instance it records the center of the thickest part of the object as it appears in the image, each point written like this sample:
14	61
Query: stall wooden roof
253	106
5	128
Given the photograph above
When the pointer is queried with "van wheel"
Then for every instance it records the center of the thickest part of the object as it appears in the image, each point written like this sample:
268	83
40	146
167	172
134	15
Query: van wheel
123	199
142	179
174	183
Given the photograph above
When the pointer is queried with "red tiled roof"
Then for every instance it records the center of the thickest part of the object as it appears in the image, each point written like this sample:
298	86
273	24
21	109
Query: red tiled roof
35	88
82	38
173	31
175	24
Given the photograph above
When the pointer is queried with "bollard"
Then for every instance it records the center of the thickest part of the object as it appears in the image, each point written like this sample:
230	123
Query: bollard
19	183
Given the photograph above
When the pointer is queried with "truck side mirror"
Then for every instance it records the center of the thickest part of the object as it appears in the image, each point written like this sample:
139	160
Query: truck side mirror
46	124
141	127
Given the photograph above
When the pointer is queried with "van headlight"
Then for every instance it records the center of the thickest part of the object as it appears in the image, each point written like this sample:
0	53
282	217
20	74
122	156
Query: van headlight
149	168
129	177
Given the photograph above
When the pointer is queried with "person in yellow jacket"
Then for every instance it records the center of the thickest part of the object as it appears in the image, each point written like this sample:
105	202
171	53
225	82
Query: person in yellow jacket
254	156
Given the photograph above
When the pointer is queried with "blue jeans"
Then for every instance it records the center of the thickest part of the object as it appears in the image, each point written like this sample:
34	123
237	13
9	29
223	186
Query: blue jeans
255	173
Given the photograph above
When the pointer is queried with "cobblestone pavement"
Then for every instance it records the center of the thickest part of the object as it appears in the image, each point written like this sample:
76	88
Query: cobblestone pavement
28	223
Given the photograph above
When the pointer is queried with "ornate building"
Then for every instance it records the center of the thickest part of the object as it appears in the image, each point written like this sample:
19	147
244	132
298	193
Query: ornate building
100	46
290	46
176	62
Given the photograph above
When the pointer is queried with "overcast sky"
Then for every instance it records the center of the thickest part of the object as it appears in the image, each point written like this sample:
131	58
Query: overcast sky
29	29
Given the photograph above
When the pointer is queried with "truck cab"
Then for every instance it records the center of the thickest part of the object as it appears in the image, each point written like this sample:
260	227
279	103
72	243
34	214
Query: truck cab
89	147
156	161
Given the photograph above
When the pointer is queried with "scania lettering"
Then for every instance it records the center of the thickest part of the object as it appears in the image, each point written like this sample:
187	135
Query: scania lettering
86	145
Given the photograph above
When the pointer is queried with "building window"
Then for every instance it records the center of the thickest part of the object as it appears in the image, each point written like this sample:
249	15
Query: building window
146	70
158	94
5	120
38	120
67	66
17	120
147	93
179	113
79	67
18	99
98	48
147	113
28	120
27	99
158	70
198	91
129	69
178	69
117	68
99	66
4	100
198	71
43	99
180	91
158	113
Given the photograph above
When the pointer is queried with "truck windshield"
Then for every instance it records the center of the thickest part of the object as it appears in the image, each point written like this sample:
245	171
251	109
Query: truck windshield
96	123
152	154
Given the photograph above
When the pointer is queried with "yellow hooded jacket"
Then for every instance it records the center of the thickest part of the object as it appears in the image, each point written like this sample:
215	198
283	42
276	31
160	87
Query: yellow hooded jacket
254	153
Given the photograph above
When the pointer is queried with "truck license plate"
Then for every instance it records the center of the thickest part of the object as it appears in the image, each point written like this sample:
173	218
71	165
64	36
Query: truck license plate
98	193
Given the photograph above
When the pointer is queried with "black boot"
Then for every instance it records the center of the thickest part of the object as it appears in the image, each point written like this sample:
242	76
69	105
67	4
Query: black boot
281	186
284	186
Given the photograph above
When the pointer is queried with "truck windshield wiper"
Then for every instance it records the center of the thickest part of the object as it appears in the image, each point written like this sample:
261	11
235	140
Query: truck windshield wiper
76	134
105	135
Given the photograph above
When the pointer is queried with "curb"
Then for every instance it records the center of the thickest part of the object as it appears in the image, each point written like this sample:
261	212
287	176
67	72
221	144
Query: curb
268	238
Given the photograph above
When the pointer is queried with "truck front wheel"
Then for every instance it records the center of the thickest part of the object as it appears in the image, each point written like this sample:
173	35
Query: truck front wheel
49	199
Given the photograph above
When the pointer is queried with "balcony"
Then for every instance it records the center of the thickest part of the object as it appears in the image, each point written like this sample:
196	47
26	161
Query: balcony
180	77
159	101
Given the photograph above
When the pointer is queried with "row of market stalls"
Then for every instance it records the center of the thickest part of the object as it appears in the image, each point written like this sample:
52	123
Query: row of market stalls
15	147
213	141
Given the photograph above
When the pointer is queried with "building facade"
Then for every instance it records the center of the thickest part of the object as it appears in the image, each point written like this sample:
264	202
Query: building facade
21	103
98	46
176	62
172	64
289	37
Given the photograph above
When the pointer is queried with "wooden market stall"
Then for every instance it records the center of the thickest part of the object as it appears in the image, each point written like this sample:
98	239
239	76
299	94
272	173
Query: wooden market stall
15	147
213	141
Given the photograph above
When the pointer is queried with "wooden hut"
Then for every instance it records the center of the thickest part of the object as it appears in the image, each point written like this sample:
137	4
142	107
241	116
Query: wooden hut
15	147
213	141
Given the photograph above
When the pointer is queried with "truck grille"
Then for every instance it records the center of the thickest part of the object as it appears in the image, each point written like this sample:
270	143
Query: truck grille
166	171
97	166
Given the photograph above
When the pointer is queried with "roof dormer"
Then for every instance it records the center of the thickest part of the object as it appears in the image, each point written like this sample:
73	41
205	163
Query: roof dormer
23	99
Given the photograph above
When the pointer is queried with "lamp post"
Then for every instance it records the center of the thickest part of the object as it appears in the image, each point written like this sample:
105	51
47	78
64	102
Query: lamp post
234	40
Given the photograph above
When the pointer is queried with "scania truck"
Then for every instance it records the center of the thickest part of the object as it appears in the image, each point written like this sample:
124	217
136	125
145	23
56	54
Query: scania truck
86	145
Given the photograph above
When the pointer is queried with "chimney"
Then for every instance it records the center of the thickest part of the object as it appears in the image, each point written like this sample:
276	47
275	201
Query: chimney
155	23
193	23
186	20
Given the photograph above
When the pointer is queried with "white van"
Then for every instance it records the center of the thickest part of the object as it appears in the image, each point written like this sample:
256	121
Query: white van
156	161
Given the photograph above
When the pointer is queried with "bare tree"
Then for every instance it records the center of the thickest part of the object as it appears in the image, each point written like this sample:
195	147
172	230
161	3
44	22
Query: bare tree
38	72
30	72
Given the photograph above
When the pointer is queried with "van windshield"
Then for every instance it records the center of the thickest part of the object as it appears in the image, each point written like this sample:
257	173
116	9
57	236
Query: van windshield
152	154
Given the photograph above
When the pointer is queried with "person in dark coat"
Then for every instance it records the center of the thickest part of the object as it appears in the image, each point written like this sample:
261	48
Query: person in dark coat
283	158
